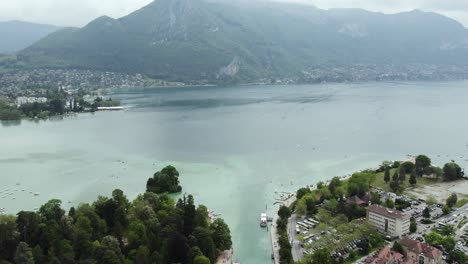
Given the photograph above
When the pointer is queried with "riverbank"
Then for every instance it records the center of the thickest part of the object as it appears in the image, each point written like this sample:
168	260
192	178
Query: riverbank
274	233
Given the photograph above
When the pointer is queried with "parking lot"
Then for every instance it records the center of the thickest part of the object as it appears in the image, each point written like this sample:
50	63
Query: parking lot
416	211
311	235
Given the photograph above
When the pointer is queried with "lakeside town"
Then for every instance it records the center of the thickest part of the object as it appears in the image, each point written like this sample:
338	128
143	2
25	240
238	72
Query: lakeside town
376	216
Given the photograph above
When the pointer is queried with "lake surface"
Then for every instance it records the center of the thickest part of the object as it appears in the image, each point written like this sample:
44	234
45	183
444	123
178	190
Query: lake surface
234	146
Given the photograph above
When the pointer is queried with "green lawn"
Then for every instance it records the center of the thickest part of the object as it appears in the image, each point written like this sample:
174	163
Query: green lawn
461	202
420	181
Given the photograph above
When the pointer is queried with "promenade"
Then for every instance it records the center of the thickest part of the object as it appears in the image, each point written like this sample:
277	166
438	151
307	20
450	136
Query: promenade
274	234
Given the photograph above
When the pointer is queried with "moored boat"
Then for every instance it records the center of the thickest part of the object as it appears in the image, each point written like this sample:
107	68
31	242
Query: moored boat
263	220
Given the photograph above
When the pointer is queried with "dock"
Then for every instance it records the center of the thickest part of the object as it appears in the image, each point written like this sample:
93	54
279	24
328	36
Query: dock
110	108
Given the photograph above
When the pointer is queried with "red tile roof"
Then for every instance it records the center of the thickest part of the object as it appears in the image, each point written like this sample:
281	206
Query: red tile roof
420	248
385	255
391	213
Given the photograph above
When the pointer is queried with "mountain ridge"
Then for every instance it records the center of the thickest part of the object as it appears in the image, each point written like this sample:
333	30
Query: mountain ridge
17	35
206	41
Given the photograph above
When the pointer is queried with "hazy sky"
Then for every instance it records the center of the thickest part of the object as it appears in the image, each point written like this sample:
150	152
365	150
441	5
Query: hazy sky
80	12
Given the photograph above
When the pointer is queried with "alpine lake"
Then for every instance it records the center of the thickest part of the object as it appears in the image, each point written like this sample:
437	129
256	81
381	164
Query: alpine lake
236	148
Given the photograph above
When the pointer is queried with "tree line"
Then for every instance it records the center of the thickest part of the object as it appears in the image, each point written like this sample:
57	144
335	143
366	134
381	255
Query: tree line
153	228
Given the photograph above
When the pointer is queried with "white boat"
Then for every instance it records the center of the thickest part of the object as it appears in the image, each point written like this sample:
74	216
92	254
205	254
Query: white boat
263	220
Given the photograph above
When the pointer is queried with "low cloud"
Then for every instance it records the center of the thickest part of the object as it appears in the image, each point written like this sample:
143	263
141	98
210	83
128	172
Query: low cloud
80	12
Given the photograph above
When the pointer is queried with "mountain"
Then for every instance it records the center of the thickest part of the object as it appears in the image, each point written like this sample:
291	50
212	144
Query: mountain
17	35
209	41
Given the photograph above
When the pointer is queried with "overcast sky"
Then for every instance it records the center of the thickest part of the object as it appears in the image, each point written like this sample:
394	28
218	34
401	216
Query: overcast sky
80	12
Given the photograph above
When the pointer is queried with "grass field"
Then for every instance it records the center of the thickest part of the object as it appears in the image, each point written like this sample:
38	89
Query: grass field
420	181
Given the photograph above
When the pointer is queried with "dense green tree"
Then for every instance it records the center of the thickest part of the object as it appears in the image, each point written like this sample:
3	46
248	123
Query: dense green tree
195	252
301	208
178	249
396	177
422	162
452	200
398	247
109	251
115	231
97	223
28	224
57	106
311	202
189	216
137	235
437	171
408	166
205	242
412	179
166	180
201	260
413	226
322	256
221	235
284	212
285	249
301	192
426	213
143	255
452	171
387	175
395	186
38	255
331	205
359	183
402	173
320	185
449	243
448	230
376	239
434	239
23	254
334	183
201	216
353	211
52	210
83	233
457	256
375	198
389	203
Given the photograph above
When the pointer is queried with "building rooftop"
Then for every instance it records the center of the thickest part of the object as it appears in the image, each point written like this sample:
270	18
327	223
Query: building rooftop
420	248
385	255
391	213
355	199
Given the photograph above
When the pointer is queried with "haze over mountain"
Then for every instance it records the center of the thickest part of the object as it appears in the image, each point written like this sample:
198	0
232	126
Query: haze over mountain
17	35
196	40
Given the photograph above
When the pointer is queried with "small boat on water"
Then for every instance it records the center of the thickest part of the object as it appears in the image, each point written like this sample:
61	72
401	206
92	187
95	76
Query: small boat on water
263	220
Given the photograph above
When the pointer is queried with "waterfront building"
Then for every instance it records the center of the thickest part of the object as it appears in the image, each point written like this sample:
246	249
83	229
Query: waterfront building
390	222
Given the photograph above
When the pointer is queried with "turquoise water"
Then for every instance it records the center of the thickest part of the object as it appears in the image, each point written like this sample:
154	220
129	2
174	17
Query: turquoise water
234	146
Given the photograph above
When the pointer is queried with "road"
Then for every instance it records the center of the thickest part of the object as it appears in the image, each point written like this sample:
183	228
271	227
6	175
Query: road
297	251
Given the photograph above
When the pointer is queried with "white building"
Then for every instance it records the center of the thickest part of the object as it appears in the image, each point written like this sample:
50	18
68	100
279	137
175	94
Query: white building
30	100
390	222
